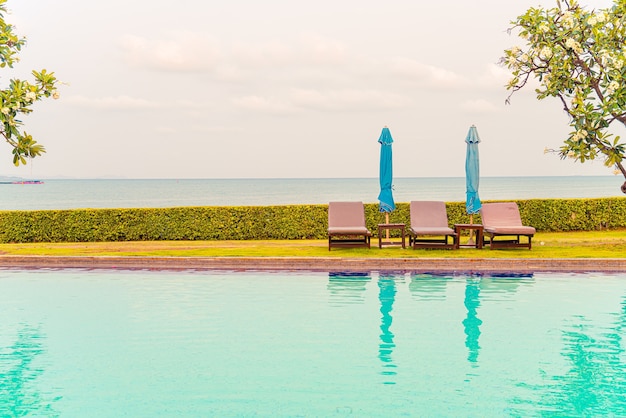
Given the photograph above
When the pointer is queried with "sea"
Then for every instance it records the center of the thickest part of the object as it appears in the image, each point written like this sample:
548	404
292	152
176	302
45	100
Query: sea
158	193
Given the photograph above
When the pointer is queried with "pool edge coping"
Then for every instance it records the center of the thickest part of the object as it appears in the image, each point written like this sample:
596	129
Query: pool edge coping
317	263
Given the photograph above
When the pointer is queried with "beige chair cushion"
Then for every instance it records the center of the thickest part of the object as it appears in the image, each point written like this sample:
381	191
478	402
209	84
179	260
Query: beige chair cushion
429	218
347	218
504	218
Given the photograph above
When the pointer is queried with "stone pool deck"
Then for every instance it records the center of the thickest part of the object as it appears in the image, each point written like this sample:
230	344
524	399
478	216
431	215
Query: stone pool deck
426	265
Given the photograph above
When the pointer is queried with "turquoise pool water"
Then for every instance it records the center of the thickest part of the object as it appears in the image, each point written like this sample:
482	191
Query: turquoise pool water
189	344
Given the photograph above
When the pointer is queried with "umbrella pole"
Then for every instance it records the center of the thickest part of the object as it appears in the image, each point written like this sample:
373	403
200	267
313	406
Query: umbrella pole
387	222
471	232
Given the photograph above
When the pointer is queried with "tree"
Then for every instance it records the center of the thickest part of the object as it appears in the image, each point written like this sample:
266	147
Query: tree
577	56
17	99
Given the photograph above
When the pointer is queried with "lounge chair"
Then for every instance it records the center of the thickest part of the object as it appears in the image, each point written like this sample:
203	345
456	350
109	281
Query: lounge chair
346	225
429	226
502	219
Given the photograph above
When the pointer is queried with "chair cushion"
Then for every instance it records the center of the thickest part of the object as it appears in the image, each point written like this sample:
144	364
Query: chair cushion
500	214
503	218
428	214
348	230
511	230
431	230
342	214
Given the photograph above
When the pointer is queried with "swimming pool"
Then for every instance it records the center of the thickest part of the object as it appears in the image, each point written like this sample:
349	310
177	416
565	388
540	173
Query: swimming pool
77	343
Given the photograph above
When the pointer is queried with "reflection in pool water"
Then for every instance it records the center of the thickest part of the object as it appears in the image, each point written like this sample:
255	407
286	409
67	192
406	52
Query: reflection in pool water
386	295
99	343
472	323
595	376
19	394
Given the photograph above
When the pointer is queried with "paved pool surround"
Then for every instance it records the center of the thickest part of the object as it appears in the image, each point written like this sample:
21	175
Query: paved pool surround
426	265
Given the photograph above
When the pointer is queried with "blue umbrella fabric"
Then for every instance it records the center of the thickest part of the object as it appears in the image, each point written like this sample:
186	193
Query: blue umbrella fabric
386	172
472	172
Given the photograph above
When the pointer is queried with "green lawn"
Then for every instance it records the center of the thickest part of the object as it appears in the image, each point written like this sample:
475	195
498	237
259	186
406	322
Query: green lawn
584	244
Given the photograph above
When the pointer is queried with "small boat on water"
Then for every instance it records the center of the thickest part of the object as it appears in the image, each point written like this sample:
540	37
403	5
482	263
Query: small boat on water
22	182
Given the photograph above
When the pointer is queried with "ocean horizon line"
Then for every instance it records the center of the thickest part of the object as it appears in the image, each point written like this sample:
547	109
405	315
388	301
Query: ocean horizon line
18	178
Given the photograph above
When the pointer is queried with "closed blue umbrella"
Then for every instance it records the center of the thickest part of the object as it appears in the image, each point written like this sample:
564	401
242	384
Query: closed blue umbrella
386	173
472	173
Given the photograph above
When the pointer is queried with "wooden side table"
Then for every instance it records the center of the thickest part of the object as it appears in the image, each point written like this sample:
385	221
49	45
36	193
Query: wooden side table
471	227
390	227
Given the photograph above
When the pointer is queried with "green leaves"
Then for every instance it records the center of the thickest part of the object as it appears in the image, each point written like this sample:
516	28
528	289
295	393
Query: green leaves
576	55
20	95
27	147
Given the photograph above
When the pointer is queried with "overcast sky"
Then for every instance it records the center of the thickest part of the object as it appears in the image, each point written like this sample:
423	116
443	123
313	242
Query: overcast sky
280	88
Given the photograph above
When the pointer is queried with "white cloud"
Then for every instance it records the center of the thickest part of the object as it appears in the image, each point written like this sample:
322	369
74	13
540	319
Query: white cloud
336	100
262	104
268	54
426	74
197	52
197	128
495	77
309	50
168	130
125	102
216	129
322	51
348	100
185	52
480	106
116	103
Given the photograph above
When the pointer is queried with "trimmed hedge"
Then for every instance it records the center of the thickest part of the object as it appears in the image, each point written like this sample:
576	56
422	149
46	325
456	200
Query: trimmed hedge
271	222
550	215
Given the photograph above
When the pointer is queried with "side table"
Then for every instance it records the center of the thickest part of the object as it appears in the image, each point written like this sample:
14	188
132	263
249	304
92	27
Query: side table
390	227
471	227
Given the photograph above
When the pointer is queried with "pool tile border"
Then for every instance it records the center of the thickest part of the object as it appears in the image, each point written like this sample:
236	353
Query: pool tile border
318	264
